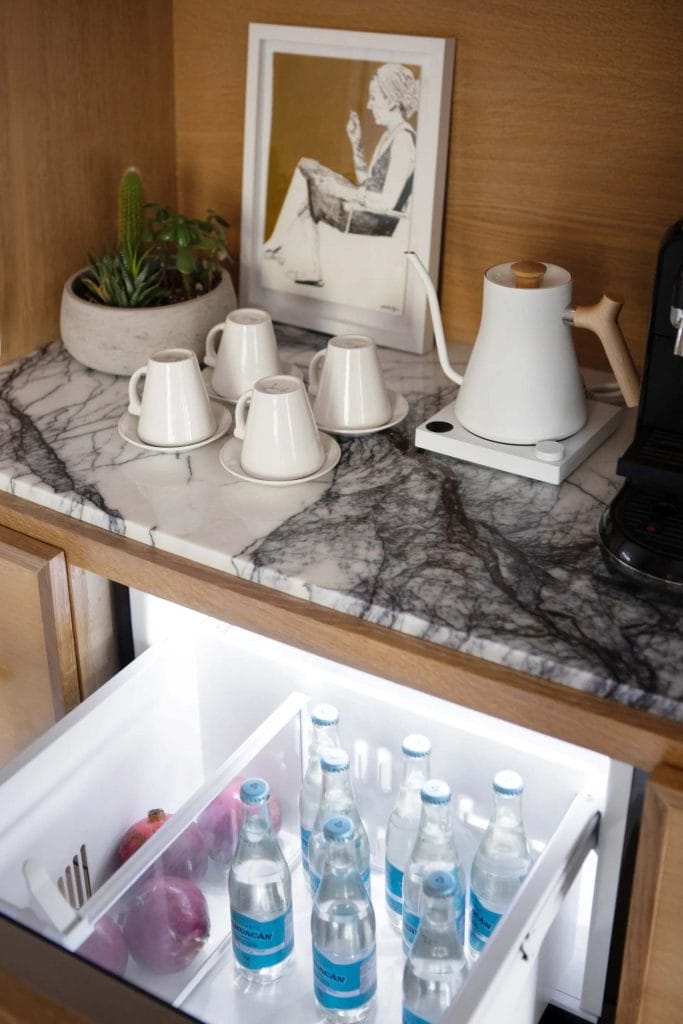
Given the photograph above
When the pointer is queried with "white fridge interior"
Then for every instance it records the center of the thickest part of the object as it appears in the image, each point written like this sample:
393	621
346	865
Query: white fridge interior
207	702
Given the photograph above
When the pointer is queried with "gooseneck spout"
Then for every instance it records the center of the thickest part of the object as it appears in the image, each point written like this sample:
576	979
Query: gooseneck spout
441	347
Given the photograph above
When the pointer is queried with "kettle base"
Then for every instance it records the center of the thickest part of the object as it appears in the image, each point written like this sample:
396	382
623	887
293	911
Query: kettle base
443	433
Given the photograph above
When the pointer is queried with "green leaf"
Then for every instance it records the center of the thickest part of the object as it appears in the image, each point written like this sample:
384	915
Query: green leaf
184	261
183	237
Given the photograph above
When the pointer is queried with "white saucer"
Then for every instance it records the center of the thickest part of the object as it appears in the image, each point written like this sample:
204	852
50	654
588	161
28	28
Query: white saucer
207	374
128	429
229	457
399	411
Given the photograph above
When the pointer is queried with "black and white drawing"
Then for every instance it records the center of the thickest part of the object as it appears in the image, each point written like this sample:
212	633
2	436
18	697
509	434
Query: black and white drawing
376	205
346	139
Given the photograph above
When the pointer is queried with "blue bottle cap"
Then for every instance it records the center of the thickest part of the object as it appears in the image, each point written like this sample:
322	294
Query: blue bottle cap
324	714
436	791
254	791
416	745
508	783
439	883
335	760
339	827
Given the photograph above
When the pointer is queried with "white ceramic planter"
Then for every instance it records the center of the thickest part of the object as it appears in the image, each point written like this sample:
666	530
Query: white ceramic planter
117	340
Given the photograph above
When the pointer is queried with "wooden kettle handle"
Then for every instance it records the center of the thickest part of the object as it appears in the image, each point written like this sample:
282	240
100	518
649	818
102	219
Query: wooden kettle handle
602	318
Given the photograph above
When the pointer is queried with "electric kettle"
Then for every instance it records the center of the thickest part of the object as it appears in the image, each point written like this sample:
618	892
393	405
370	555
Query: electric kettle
522	383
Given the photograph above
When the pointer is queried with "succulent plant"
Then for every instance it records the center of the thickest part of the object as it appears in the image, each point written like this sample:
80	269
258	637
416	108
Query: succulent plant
124	278
162	257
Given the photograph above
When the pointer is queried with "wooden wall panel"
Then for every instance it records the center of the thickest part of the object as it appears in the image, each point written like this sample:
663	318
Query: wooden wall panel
85	90
565	137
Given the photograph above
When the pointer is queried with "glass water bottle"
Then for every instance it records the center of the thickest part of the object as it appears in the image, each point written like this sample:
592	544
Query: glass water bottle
260	890
501	863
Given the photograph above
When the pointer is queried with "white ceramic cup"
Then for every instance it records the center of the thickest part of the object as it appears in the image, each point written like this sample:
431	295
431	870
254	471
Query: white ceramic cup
174	408
349	392
247	351
274	421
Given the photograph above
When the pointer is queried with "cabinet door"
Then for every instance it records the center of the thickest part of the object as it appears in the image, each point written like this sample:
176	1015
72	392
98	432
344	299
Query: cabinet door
651	986
38	668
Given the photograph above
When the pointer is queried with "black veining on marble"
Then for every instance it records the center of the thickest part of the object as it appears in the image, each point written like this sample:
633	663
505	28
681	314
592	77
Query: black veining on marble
27	443
483	561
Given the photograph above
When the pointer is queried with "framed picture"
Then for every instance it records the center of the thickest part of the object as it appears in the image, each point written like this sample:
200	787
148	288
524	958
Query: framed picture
346	140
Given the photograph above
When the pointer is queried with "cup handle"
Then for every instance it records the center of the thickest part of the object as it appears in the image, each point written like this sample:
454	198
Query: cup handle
134	407
210	351
314	371
240	414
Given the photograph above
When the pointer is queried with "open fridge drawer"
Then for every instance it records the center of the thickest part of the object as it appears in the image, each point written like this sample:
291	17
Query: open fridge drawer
172	729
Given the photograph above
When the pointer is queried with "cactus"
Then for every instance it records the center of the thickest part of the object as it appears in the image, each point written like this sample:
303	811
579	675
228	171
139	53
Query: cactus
161	257
131	210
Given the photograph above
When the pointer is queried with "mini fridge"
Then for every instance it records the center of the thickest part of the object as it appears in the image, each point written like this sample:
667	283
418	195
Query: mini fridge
206	702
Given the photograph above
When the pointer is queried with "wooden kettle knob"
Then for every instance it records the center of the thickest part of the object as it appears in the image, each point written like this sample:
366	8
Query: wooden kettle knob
528	273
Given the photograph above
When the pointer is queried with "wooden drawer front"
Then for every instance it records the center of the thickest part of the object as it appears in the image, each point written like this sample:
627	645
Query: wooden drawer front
38	668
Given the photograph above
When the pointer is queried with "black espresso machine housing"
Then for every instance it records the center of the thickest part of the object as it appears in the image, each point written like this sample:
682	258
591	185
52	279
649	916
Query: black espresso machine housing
641	531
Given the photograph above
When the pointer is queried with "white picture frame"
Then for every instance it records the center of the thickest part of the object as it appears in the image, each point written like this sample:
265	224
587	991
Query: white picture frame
337	264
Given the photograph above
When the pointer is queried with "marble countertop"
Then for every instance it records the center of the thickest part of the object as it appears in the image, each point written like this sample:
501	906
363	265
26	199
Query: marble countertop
504	568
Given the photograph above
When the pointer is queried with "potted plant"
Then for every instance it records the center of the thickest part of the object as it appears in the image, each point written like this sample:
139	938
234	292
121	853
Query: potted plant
163	286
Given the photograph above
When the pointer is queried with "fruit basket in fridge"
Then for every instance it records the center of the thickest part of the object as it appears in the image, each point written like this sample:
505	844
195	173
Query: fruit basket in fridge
190	716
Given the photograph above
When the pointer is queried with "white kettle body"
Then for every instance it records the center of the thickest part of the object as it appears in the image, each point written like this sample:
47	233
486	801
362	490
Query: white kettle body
522	383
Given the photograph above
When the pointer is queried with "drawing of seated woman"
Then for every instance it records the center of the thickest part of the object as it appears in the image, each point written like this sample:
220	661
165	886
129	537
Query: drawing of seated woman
374	204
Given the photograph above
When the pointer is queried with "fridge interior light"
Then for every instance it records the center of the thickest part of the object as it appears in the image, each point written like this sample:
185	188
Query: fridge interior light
173	727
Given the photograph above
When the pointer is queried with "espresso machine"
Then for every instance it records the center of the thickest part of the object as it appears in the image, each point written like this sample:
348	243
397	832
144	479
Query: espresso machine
641	531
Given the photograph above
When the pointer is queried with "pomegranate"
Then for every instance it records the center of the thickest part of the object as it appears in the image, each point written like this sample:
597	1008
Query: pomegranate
106	946
166	923
187	857
219	823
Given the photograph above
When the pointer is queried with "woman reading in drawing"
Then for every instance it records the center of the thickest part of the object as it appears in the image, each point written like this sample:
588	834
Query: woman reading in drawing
370	206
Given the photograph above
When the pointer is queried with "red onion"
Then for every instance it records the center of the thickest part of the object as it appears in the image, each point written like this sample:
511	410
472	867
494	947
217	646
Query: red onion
166	923
220	822
187	857
106	946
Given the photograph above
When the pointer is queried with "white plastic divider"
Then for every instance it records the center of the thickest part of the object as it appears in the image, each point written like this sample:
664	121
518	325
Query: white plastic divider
82	925
504	979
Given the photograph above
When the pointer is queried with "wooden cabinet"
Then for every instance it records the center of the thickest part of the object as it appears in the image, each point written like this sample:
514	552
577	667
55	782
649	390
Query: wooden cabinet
651	986
651	974
22	1005
57	637
38	664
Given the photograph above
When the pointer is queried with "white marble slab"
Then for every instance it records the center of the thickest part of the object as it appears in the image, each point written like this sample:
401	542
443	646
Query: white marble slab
474	559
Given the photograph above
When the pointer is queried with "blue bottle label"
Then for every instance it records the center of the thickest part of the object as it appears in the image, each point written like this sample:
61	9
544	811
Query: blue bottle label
344	986
412	1018
305	843
394	887
259	944
482	922
460	911
365	879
